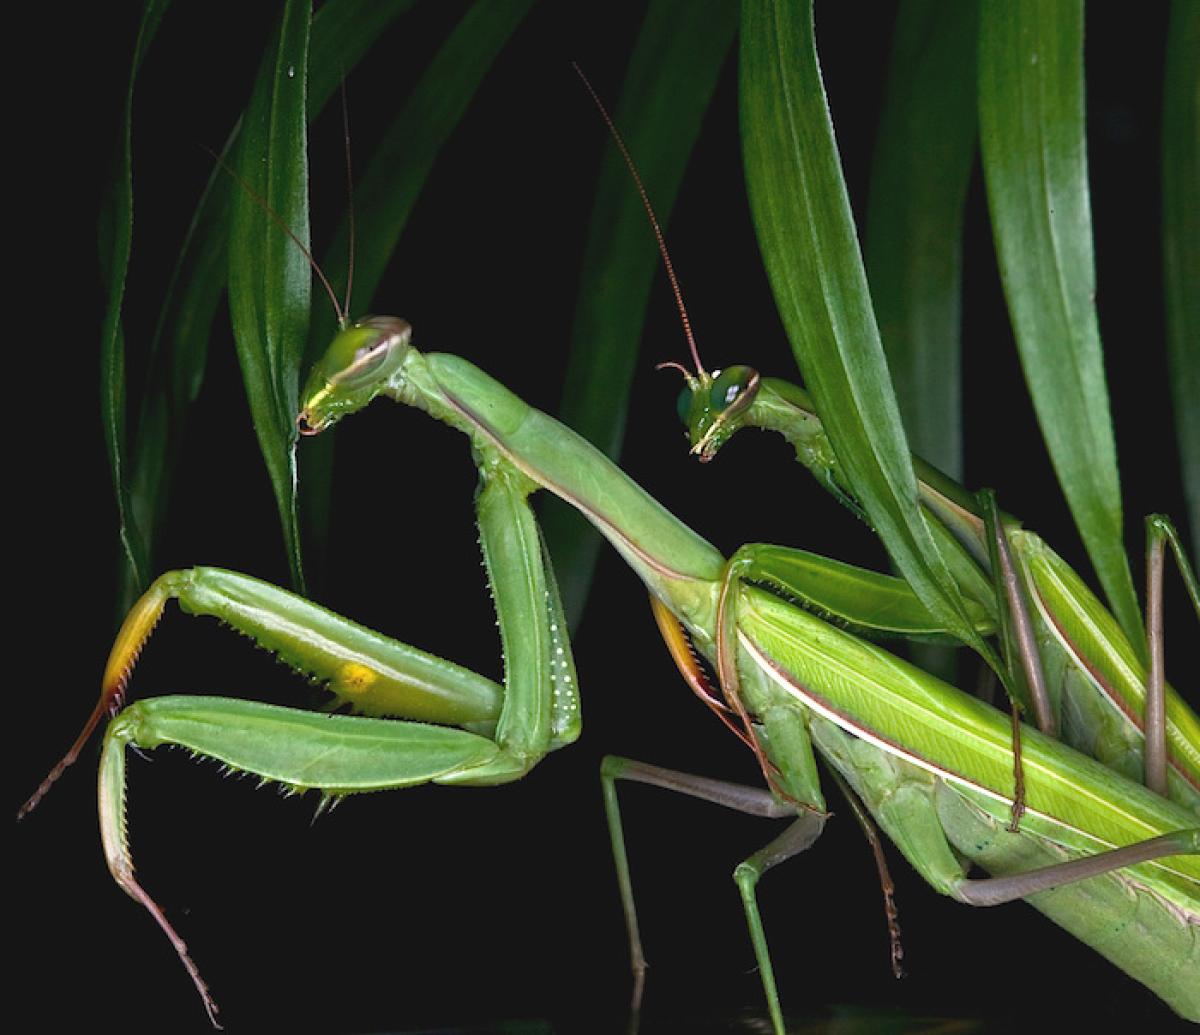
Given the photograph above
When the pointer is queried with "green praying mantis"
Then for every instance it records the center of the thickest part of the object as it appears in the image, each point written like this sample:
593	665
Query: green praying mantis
1095	696
934	766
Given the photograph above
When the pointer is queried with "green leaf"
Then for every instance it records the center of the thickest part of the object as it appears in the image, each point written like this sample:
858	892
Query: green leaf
178	354
671	79
116	242
269	278
807	237
1181	239
914	237
342	33
1031	119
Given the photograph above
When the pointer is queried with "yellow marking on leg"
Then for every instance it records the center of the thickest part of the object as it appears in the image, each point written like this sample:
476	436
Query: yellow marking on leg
354	679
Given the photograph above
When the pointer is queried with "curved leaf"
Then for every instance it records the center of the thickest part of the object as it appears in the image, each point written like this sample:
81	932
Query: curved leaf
806	233
342	33
671	79
269	279
116	242
1181	239
1031	122
914	236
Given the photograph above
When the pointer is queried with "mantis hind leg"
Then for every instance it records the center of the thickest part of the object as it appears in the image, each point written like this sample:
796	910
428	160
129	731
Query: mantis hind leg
1160	533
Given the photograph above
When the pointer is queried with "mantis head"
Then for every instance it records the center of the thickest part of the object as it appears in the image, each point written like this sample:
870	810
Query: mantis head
711	406
355	368
714	406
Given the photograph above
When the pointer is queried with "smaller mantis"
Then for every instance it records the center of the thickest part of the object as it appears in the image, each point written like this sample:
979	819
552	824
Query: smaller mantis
1073	667
1082	676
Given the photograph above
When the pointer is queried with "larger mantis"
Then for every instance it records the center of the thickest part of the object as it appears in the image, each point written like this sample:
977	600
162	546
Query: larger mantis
933	765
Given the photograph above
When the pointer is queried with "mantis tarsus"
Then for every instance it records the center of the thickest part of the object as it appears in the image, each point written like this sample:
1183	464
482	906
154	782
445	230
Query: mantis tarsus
782	656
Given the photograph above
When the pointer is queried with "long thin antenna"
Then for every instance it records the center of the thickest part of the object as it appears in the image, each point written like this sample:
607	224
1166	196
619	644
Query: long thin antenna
349	203
658	234
342	316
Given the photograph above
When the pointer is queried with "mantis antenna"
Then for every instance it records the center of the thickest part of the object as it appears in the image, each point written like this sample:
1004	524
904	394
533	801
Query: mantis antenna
342	312
654	223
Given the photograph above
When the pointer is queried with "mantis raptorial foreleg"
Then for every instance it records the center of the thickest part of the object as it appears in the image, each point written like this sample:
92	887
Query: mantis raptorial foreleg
502	731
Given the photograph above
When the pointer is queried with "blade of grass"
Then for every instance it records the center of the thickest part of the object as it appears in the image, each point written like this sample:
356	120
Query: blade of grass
669	84
116	242
807	237
1031	115
178	354
269	279
343	31
914	236
1181	240
913	242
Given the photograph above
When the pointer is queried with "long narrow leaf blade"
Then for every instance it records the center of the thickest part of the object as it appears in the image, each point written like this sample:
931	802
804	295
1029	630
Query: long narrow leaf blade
116	242
178	355
806	234
269	277
670	82
1031	117
1181	239
914	239
343	31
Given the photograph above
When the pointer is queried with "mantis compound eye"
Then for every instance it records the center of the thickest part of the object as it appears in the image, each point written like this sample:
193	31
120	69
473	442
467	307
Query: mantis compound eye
732	390
360	352
367	359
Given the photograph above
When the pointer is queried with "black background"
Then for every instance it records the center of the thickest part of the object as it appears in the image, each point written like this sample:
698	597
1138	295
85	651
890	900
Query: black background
444	907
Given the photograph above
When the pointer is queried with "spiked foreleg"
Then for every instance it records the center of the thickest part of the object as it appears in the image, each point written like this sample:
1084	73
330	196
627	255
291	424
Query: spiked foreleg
504	731
541	700
333	754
